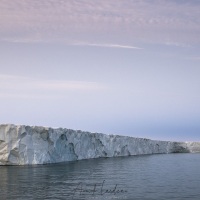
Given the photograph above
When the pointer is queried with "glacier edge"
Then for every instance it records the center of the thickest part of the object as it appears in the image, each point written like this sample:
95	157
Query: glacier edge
25	145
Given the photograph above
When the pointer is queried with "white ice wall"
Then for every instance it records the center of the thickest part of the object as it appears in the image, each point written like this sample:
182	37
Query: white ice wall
20	145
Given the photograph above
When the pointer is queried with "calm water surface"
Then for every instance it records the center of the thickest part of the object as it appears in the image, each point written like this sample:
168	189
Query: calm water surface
168	176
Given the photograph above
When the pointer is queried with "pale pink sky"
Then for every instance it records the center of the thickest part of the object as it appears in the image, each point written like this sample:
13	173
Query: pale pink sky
115	66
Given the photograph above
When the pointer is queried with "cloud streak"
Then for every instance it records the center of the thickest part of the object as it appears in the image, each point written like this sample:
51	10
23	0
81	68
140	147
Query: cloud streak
195	58
107	45
16	86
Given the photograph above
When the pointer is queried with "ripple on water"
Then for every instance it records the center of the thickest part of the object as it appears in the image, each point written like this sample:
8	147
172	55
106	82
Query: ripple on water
163	176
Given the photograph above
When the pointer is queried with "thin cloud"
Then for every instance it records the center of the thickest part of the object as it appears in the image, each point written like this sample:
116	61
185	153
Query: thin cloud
175	44
107	45
16	85
195	58
133	21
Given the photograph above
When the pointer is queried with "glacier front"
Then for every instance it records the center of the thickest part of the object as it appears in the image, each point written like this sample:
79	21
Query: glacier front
24	145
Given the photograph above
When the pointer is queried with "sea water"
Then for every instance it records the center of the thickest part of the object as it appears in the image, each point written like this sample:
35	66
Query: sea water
159	177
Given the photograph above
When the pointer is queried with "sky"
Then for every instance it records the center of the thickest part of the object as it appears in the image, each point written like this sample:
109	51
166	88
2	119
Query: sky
126	67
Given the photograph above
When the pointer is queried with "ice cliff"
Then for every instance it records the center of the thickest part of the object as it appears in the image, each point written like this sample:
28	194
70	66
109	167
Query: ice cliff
21	145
